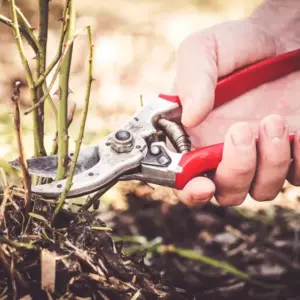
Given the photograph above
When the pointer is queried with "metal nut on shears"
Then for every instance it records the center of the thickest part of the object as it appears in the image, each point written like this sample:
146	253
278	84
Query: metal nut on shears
122	141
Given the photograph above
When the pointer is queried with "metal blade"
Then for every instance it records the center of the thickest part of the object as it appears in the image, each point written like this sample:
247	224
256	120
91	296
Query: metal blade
108	169
47	166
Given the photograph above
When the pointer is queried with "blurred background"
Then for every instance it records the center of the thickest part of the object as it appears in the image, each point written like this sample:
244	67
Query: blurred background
135	46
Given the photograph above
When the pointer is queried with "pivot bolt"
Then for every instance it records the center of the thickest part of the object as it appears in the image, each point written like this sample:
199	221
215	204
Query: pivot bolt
122	135
155	150
122	141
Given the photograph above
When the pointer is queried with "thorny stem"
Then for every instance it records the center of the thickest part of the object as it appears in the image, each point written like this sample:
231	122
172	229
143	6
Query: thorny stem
64	24
40	54
70	119
68	186
66	48
38	142
64	74
18	129
23	31
41	57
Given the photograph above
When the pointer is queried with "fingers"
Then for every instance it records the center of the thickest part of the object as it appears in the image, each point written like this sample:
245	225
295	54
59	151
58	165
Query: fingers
213	53
273	159
294	172
196	77
249	167
197	192
236	171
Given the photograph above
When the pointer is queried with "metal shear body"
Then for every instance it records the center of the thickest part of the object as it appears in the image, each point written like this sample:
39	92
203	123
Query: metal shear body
138	150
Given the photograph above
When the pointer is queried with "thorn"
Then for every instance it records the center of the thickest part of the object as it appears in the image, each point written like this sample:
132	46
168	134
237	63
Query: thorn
57	92
70	91
34	57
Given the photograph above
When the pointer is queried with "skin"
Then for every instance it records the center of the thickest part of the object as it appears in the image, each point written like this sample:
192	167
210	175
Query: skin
270	112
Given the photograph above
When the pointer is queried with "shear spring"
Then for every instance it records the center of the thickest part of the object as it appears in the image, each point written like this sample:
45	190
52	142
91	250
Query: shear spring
176	134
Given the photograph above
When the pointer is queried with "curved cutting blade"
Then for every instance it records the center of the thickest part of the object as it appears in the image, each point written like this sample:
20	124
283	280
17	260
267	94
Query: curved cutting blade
110	166
47	166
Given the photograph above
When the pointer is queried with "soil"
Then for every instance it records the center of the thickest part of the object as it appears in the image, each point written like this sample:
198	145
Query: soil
153	252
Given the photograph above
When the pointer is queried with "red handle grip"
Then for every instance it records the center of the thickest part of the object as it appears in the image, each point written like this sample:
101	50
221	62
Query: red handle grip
228	88
250	77
200	161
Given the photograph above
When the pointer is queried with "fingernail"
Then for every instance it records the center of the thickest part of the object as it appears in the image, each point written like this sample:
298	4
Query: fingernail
242	135
274	128
199	202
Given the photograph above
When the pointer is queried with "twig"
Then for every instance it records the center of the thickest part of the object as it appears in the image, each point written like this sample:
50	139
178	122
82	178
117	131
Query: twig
62	126
223	265
94	198
81	130
64	20
38	143
13	273
16	244
66	48
23	31
194	255
5	197
23	164
41	56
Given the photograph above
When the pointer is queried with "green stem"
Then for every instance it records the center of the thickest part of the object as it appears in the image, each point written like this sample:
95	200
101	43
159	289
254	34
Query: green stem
68	186
64	24
40	55
39	147
62	122
23	31
41	58
56	73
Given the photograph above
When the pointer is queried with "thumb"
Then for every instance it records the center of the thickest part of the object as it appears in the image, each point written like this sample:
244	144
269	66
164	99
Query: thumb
205	56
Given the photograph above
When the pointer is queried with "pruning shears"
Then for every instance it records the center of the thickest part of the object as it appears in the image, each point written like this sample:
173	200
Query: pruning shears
138	150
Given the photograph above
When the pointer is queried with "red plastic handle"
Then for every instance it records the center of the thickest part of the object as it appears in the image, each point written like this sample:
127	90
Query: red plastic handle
228	88
201	161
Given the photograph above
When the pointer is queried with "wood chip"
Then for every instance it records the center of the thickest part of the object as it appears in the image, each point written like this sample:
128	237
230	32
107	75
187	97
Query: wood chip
48	270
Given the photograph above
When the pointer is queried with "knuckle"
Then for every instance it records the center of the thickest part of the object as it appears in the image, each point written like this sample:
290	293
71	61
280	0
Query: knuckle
231	199
194	41
261	196
278	162
243	169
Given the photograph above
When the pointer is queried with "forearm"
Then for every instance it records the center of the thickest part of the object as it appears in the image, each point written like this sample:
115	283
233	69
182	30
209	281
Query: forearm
281	19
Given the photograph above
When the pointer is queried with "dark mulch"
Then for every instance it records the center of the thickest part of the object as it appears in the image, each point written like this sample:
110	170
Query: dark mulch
95	264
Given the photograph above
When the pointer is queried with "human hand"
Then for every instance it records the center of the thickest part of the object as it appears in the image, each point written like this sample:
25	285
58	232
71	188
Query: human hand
270	111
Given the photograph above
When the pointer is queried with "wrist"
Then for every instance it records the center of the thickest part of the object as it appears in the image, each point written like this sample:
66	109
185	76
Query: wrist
280	19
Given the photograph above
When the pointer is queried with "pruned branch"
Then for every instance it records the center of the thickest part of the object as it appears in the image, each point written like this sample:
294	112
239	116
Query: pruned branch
18	130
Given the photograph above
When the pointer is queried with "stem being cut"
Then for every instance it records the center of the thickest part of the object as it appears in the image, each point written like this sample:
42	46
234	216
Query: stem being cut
62	123
64	194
